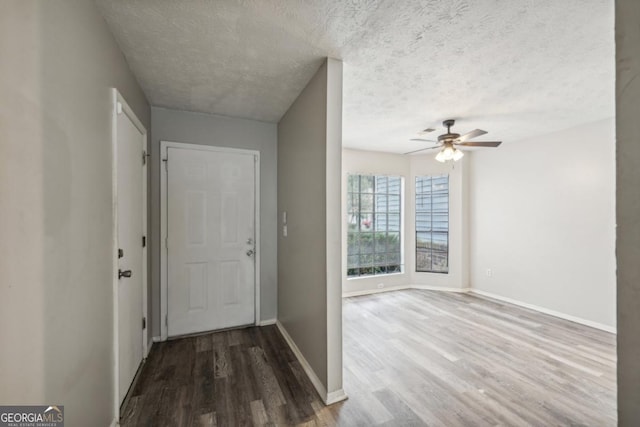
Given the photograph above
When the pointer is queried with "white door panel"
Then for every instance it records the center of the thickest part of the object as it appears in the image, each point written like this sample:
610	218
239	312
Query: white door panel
210	229
130	231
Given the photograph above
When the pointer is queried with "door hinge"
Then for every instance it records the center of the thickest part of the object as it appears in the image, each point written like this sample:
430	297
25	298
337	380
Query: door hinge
120	253
165	161
144	241
144	157
144	323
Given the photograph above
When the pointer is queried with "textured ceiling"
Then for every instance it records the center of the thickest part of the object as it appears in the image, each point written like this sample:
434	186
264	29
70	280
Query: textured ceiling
515	68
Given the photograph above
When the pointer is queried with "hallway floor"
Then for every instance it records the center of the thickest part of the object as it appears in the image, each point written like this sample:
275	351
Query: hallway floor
411	358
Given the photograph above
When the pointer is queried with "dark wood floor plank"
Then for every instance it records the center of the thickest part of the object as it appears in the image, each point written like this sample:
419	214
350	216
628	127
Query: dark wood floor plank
225	412
243	392
222	364
270	390
259	414
206	420
411	358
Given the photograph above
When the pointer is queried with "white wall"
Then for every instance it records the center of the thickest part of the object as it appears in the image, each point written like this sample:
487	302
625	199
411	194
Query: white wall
628	209
206	129
409	167
538	213
543	220
309	259
58	63
333	233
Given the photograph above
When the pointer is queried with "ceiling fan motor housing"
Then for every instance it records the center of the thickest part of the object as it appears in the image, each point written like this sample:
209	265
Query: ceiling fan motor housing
448	137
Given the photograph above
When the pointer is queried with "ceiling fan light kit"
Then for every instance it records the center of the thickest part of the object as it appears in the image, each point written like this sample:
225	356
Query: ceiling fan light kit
448	153
447	143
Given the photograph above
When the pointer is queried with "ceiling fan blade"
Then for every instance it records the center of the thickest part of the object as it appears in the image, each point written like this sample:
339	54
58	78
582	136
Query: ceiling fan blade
423	149
472	134
479	143
420	139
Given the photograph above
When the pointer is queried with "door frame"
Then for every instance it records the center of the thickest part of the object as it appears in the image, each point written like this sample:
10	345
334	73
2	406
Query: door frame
164	145
120	106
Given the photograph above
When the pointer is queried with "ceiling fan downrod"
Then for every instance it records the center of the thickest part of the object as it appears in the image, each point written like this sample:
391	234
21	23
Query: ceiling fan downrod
448	137
448	124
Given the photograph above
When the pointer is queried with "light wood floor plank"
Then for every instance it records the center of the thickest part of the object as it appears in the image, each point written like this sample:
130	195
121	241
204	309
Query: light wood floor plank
457	359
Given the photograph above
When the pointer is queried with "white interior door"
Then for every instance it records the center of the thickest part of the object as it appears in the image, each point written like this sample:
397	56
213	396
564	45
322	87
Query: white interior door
130	231
210	240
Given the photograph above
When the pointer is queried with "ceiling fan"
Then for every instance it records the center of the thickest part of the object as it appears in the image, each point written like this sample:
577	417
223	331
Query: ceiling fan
448	143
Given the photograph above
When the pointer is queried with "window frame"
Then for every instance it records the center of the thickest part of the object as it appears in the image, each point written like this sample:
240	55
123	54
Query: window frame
431	249
400	226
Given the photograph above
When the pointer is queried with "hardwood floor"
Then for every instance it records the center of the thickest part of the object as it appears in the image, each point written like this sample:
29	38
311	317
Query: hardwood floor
234	378
411	358
432	358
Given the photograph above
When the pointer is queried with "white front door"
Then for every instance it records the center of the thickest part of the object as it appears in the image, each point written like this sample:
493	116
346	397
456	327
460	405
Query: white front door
210	240
131	266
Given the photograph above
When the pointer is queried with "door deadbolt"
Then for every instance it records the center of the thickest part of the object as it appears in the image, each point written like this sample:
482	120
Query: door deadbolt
125	273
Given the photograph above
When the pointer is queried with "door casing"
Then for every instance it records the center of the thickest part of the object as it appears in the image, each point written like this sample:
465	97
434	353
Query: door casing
120	107
164	145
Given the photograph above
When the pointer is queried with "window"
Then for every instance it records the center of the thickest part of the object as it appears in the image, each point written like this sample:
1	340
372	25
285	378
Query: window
432	224
373	229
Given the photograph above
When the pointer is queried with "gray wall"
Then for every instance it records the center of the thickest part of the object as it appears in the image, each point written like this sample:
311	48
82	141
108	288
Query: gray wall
628	209
58	61
205	129
302	275
309	258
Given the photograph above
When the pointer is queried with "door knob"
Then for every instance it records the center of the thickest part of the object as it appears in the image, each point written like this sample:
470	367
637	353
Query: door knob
125	273
249	241
250	252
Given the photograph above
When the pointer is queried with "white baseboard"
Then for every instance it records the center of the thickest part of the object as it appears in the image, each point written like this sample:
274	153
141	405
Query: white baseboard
267	322
329	398
373	291
440	288
554	313
480	293
317	384
149	345
400	288
114	423
335	397
157	339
